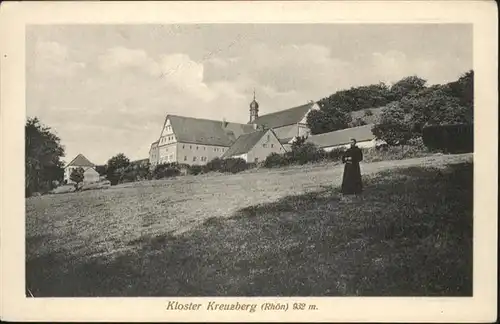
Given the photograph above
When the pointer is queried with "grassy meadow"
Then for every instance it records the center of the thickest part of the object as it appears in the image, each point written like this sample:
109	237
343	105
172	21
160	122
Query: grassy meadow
282	232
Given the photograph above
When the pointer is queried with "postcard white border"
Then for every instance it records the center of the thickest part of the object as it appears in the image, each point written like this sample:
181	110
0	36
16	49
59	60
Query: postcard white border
15	16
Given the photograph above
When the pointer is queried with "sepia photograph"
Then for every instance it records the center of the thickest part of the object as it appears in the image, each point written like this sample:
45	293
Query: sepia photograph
250	159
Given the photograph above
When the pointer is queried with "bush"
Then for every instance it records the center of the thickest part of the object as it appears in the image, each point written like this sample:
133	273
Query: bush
300	154
335	154
275	160
357	122
454	138
195	169
215	165
394	153
77	175
417	143
306	153
231	165
234	165
167	170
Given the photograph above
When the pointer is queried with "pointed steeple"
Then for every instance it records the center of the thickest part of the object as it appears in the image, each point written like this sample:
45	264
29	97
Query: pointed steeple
254	108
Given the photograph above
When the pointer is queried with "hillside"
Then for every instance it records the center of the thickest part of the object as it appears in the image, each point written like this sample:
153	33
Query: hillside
279	232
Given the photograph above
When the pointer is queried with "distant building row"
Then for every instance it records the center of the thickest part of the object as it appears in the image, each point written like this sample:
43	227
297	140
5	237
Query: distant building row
196	141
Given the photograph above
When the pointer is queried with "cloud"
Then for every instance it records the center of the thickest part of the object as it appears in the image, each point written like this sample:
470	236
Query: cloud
185	76
120	59
284	75
53	59
118	96
284	68
392	66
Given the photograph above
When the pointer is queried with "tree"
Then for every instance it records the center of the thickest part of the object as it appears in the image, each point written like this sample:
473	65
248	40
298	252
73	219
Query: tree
435	106
463	89
305	153
101	169
77	176
358	122
393	127
43	153
327	120
115	167
358	98
407	86
298	142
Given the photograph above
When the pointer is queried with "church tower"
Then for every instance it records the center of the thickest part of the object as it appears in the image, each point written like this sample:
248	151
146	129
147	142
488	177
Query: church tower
254	109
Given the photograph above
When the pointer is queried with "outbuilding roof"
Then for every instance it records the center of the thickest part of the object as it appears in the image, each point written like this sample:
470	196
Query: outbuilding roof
343	136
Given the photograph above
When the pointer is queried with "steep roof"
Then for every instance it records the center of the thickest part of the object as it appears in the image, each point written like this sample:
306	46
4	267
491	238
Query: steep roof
206	131
245	143
343	136
285	140
80	161
284	117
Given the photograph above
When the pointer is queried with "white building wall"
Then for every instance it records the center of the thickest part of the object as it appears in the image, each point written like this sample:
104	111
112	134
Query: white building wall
264	147
167	153
153	155
67	173
241	156
304	131
197	154
90	174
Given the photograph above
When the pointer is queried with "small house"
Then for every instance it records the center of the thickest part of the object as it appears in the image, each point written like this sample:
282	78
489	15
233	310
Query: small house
255	147
90	175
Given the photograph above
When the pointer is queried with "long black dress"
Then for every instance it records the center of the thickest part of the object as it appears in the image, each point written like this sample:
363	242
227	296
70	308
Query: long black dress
351	181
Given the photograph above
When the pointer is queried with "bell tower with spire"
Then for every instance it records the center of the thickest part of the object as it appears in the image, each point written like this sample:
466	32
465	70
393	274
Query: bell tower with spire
254	109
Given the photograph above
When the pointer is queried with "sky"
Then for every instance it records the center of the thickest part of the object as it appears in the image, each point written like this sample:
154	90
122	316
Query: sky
106	89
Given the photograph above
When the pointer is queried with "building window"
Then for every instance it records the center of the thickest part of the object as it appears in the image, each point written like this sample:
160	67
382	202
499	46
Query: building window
194	158
197	147
183	146
272	145
190	147
185	158
268	137
204	148
264	145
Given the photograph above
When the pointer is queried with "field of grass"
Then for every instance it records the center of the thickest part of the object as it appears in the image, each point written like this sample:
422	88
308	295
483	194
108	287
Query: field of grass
267	233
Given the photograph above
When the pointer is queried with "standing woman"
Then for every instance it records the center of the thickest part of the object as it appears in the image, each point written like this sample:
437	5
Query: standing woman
351	181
